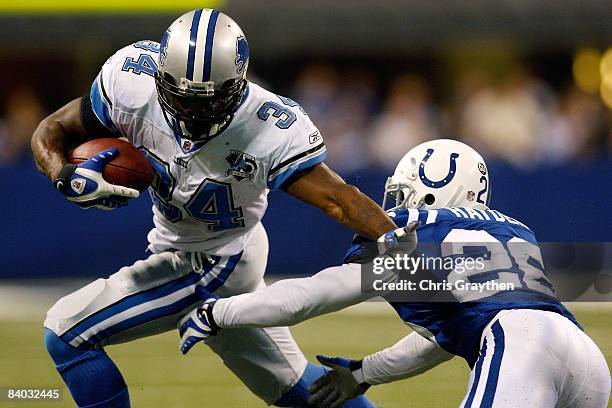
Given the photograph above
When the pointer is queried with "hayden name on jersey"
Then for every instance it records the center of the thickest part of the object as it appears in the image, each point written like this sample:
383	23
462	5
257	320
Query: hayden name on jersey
511	255
205	198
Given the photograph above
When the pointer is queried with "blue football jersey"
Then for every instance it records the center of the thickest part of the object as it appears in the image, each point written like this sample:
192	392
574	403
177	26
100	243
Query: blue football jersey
509	253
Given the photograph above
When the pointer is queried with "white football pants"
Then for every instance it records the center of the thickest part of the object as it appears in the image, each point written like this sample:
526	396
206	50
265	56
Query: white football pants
152	295
537	359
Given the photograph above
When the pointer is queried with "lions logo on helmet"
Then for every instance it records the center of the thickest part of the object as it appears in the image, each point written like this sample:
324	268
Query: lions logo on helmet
201	78
439	173
242	54
163	47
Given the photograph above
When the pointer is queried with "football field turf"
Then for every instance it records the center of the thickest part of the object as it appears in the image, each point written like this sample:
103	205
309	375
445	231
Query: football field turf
159	376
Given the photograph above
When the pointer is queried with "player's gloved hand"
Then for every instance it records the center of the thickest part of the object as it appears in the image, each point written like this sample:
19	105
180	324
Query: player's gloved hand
84	185
402	240
199	324
339	385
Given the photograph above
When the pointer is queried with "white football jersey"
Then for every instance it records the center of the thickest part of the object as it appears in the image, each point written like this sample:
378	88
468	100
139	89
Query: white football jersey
207	196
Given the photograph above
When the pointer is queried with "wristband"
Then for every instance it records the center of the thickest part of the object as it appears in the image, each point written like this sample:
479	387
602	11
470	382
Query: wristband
61	182
208	311
356	368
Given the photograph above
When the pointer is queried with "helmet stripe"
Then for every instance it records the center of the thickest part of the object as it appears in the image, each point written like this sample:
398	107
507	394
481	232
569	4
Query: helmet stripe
192	43
210	35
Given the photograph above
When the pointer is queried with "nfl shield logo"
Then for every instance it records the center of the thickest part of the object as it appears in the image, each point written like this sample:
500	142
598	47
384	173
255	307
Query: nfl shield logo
186	145
78	185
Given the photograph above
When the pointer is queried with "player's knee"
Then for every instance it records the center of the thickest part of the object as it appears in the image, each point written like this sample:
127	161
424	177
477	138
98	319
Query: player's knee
60	351
76	306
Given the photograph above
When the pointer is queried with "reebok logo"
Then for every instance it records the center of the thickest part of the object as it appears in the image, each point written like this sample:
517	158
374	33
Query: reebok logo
314	138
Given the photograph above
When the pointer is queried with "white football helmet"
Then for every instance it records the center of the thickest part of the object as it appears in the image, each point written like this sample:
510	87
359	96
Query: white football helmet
439	173
203	60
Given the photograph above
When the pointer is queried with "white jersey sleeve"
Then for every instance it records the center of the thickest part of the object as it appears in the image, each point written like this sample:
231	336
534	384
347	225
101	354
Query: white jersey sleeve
301	149
123	88
412	355
291	301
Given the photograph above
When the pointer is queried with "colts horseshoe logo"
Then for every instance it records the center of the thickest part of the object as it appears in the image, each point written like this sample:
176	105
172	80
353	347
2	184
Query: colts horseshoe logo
446	179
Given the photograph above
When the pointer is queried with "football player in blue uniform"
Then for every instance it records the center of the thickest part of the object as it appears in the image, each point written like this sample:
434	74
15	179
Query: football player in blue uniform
217	144
501	314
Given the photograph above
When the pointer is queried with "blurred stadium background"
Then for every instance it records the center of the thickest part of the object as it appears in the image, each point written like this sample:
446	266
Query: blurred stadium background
528	83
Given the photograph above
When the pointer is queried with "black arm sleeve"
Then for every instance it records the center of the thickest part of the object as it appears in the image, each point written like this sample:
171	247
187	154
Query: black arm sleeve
91	123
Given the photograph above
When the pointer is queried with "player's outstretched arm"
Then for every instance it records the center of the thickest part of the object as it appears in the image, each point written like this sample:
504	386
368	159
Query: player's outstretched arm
290	301
411	356
284	303
321	187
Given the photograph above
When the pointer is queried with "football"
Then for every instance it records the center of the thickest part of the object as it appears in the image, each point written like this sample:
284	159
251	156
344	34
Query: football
130	168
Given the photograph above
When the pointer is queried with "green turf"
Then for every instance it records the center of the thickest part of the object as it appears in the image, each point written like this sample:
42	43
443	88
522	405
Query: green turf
159	376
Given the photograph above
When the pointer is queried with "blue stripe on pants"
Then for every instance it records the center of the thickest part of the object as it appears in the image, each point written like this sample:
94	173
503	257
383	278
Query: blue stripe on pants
493	377
173	308
145	317
477	371
215	283
147	296
129	302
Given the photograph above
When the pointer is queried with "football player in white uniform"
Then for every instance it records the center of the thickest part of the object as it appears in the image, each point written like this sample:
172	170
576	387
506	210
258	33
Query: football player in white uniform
524	347
217	144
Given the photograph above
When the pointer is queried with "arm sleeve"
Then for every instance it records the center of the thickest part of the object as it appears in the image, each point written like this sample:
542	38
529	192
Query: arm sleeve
412	355
291	301
90	120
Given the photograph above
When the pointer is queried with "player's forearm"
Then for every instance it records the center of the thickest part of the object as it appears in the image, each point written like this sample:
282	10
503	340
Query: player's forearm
412	355
48	147
360	213
51	138
291	301
321	187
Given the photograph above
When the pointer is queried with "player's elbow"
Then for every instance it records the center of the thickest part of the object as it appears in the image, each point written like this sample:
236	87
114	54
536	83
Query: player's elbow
298	303
38	139
46	132
39	132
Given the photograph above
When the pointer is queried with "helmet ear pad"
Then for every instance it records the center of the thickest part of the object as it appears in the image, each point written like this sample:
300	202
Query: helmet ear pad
429	199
